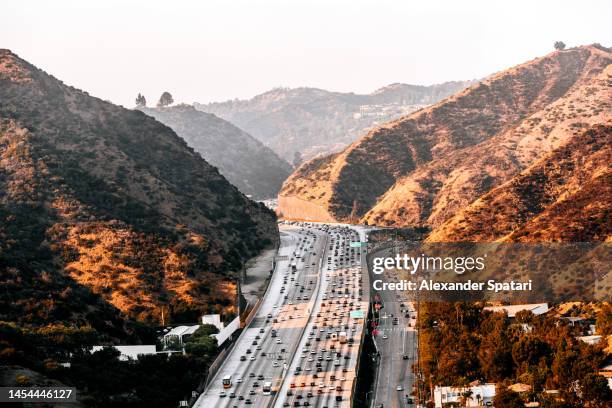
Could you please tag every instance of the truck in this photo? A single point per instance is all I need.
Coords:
(342, 337)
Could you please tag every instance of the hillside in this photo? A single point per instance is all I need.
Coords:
(564, 197)
(244, 161)
(423, 168)
(313, 121)
(107, 216)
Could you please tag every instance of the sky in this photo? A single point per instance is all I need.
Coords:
(214, 50)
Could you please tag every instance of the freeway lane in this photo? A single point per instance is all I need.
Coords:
(285, 309)
(397, 345)
(324, 373)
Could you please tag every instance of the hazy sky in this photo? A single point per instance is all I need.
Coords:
(211, 50)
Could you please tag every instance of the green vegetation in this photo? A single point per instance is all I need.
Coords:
(201, 344)
(102, 379)
(460, 343)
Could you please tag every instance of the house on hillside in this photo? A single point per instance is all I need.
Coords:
(475, 395)
(214, 319)
(179, 334)
(130, 352)
(512, 310)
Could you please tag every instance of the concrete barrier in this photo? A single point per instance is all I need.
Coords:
(295, 208)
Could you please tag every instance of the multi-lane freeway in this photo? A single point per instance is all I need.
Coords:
(396, 343)
(301, 349)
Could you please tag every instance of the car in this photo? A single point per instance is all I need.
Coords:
(278, 341)
(222, 394)
(252, 392)
(248, 401)
(252, 375)
(399, 388)
(252, 358)
(385, 336)
(242, 358)
(240, 398)
(405, 357)
(232, 395)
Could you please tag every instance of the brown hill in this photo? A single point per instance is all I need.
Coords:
(423, 168)
(105, 213)
(564, 197)
(314, 121)
(249, 165)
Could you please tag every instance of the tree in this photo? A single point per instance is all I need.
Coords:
(505, 398)
(595, 390)
(559, 45)
(297, 159)
(141, 102)
(165, 99)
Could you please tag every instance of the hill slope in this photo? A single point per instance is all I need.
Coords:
(423, 168)
(313, 121)
(107, 215)
(564, 197)
(244, 161)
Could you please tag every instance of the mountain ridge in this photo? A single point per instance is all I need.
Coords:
(249, 165)
(312, 121)
(107, 217)
(402, 172)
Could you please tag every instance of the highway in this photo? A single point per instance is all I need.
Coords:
(315, 286)
(323, 374)
(396, 342)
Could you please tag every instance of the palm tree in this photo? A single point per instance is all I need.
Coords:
(465, 397)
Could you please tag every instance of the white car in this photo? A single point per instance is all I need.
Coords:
(252, 358)
(399, 388)
(385, 336)
(278, 341)
(239, 380)
(222, 394)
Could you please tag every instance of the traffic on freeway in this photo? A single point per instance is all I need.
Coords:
(301, 347)
(324, 372)
(396, 342)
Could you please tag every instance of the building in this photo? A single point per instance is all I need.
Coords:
(214, 319)
(130, 352)
(592, 340)
(180, 334)
(512, 310)
(480, 395)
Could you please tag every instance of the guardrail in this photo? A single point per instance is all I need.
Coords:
(366, 284)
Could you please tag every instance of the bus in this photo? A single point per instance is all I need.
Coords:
(227, 381)
(267, 388)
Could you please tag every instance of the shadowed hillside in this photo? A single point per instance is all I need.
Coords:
(423, 168)
(106, 215)
(244, 161)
